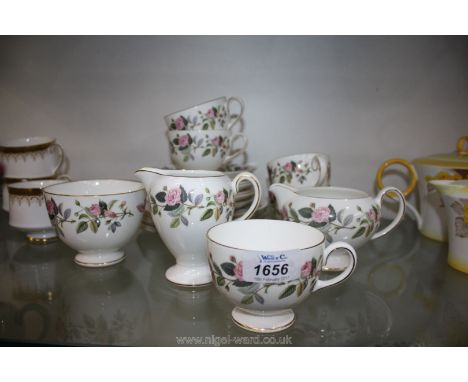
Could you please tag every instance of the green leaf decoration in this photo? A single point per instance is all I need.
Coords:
(217, 214)
(332, 216)
(184, 220)
(198, 199)
(282, 179)
(246, 300)
(93, 226)
(175, 223)
(111, 204)
(226, 194)
(103, 205)
(77, 203)
(339, 216)
(359, 208)
(241, 284)
(161, 197)
(167, 207)
(300, 288)
(67, 213)
(228, 268)
(305, 212)
(155, 209)
(214, 152)
(348, 220)
(81, 227)
(294, 215)
(83, 216)
(216, 268)
(60, 206)
(220, 281)
(359, 232)
(259, 298)
(208, 214)
(206, 152)
(288, 291)
(183, 195)
(315, 224)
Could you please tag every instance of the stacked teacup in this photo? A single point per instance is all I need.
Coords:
(201, 138)
(30, 164)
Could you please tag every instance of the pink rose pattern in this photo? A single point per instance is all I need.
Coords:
(298, 170)
(187, 145)
(230, 275)
(179, 205)
(330, 222)
(214, 117)
(89, 218)
(321, 214)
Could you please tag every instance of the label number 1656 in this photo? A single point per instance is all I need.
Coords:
(274, 270)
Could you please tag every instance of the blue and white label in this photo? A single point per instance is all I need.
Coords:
(271, 267)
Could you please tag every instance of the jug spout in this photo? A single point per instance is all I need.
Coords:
(282, 192)
(147, 175)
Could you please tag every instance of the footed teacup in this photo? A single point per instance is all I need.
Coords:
(266, 266)
(96, 217)
(342, 214)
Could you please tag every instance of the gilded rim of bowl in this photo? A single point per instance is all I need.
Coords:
(95, 195)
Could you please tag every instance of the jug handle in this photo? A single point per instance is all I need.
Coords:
(228, 107)
(401, 209)
(409, 189)
(257, 190)
(351, 252)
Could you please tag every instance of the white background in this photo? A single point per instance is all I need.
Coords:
(360, 99)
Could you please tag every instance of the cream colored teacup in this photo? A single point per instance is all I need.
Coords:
(33, 157)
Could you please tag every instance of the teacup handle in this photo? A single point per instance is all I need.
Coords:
(257, 190)
(400, 213)
(322, 162)
(228, 107)
(350, 251)
(238, 152)
(61, 156)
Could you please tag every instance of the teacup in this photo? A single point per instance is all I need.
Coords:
(342, 214)
(211, 115)
(267, 266)
(28, 212)
(7, 181)
(34, 157)
(204, 150)
(301, 170)
(97, 218)
(184, 205)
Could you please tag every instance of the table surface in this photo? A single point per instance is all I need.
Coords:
(402, 293)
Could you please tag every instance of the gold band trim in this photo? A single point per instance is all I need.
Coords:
(24, 191)
(25, 149)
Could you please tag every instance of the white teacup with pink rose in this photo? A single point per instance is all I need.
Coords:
(204, 150)
(211, 115)
(341, 214)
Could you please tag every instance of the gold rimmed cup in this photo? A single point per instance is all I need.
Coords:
(28, 212)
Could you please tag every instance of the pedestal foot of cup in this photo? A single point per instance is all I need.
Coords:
(99, 260)
(263, 322)
(337, 261)
(42, 237)
(189, 276)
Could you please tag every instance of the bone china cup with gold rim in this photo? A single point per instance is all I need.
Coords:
(342, 214)
(300, 170)
(28, 212)
(97, 218)
(34, 157)
(265, 267)
(431, 219)
(204, 150)
(455, 198)
(211, 115)
(185, 204)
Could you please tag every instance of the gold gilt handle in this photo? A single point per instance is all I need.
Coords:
(413, 176)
